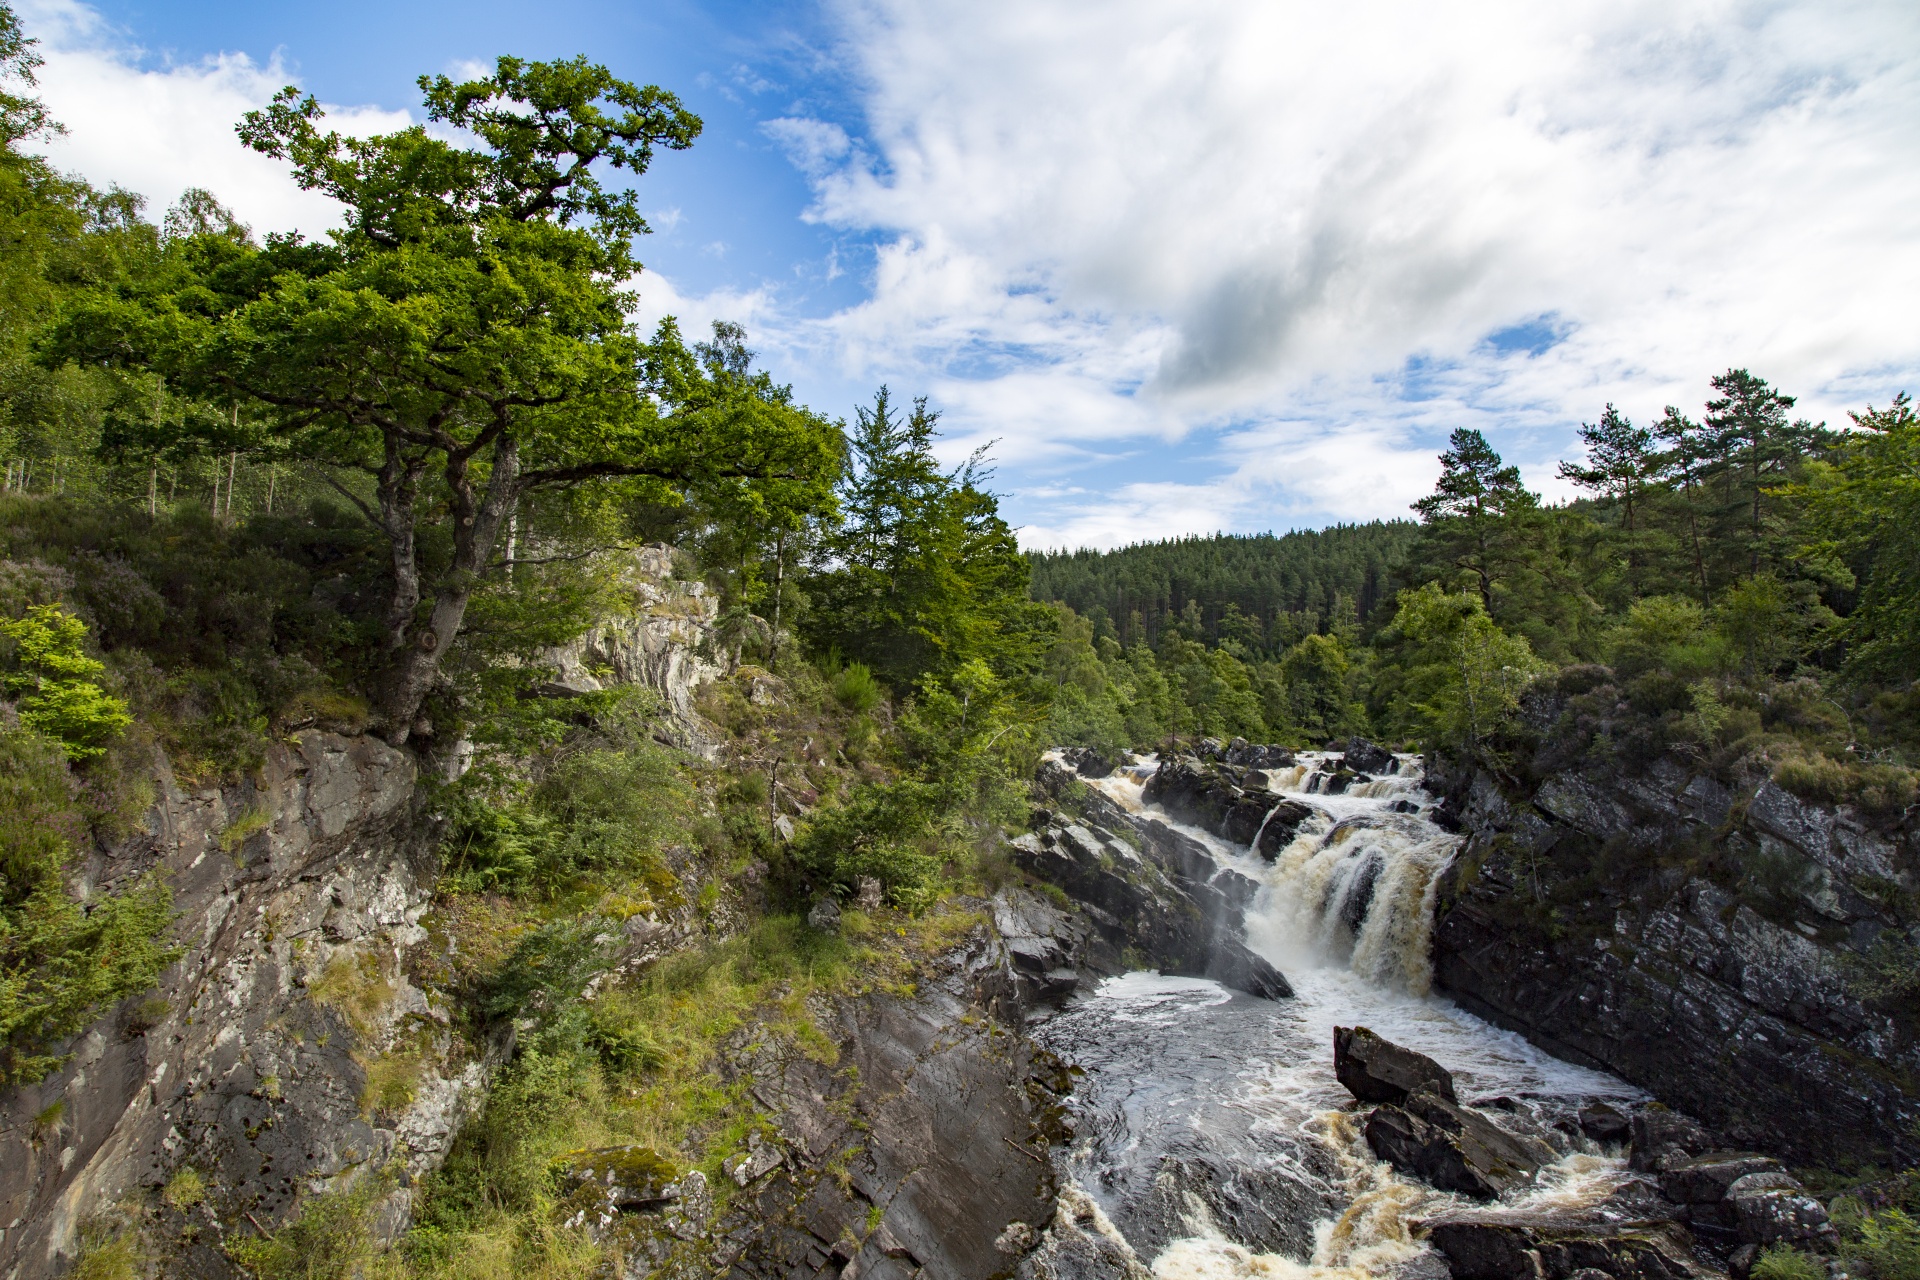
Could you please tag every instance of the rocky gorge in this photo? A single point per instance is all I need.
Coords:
(1235, 1011)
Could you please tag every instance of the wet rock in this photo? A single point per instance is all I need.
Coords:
(825, 915)
(1253, 756)
(1089, 763)
(1374, 1069)
(1661, 1136)
(1403, 806)
(1501, 1245)
(1706, 1179)
(1453, 1148)
(1764, 1212)
(1209, 798)
(1236, 966)
(1367, 757)
(1280, 825)
(1605, 1124)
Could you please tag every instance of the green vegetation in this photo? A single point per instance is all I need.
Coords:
(1879, 1227)
(1784, 1262)
(363, 485)
(1741, 587)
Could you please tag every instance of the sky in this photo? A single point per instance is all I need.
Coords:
(1186, 267)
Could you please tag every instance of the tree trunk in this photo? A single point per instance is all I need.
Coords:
(476, 526)
(779, 576)
(233, 460)
(153, 490)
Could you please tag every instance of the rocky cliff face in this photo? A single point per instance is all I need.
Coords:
(1700, 937)
(291, 1049)
(300, 894)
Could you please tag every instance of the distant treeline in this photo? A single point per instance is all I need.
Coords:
(1263, 591)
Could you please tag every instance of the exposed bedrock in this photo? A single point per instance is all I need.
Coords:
(1702, 940)
(1227, 802)
(923, 1148)
(1147, 887)
(1697, 1202)
(299, 896)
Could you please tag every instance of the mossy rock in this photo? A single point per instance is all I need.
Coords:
(626, 1177)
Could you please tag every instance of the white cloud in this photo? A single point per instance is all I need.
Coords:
(159, 129)
(1295, 225)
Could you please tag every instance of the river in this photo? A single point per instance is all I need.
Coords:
(1209, 1128)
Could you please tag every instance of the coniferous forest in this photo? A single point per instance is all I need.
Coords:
(260, 485)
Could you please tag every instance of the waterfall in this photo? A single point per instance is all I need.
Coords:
(1357, 883)
(1214, 1134)
(1355, 887)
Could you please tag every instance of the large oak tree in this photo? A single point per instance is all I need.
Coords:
(464, 341)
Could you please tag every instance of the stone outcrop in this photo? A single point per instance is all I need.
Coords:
(1496, 1245)
(299, 896)
(663, 640)
(1453, 1147)
(1147, 888)
(1695, 936)
(1227, 802)
(924, 1144)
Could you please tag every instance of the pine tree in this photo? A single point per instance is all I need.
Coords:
(1477, 513)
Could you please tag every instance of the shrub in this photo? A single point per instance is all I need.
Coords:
(330, 1240)
(55, 683)
(1887, 1246)
(856, 689)
(1784, 1262)
(881, 830)
(185, 1189)
(61, 961)
(1814, 778)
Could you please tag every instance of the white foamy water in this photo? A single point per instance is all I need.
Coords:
(1185, 1075)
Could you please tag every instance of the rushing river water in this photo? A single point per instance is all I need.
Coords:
(1210, 1128)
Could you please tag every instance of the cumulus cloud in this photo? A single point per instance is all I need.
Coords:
(158, 129)
(1326, 234)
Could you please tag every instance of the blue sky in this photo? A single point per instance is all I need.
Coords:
(1220, 264)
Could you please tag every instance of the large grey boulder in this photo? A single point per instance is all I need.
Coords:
(1452, 1147)
(1374, 1069)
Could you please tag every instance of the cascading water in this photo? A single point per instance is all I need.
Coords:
(1211, 1130)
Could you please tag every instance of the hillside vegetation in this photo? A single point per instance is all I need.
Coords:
(260, 485)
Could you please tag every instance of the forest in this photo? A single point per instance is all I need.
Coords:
(255, 484)
(1748, 574)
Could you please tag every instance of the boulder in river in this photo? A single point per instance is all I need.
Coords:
(1453, 1148)
(1769, 1208)
(1502, 1245)
(1237, 966)
(1279, 826)
(1705, 1179)
(1367, 757)
(1089, 762)
(1605, 1123)
(1375, 1069)
(1661, 1137)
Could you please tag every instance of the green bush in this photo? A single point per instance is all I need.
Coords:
(884, 830)
(1783, 1262)
(55, 683)
(332, 1238)
(61, 961)
(856, 689)
(599, 814)
(1887, 1247)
